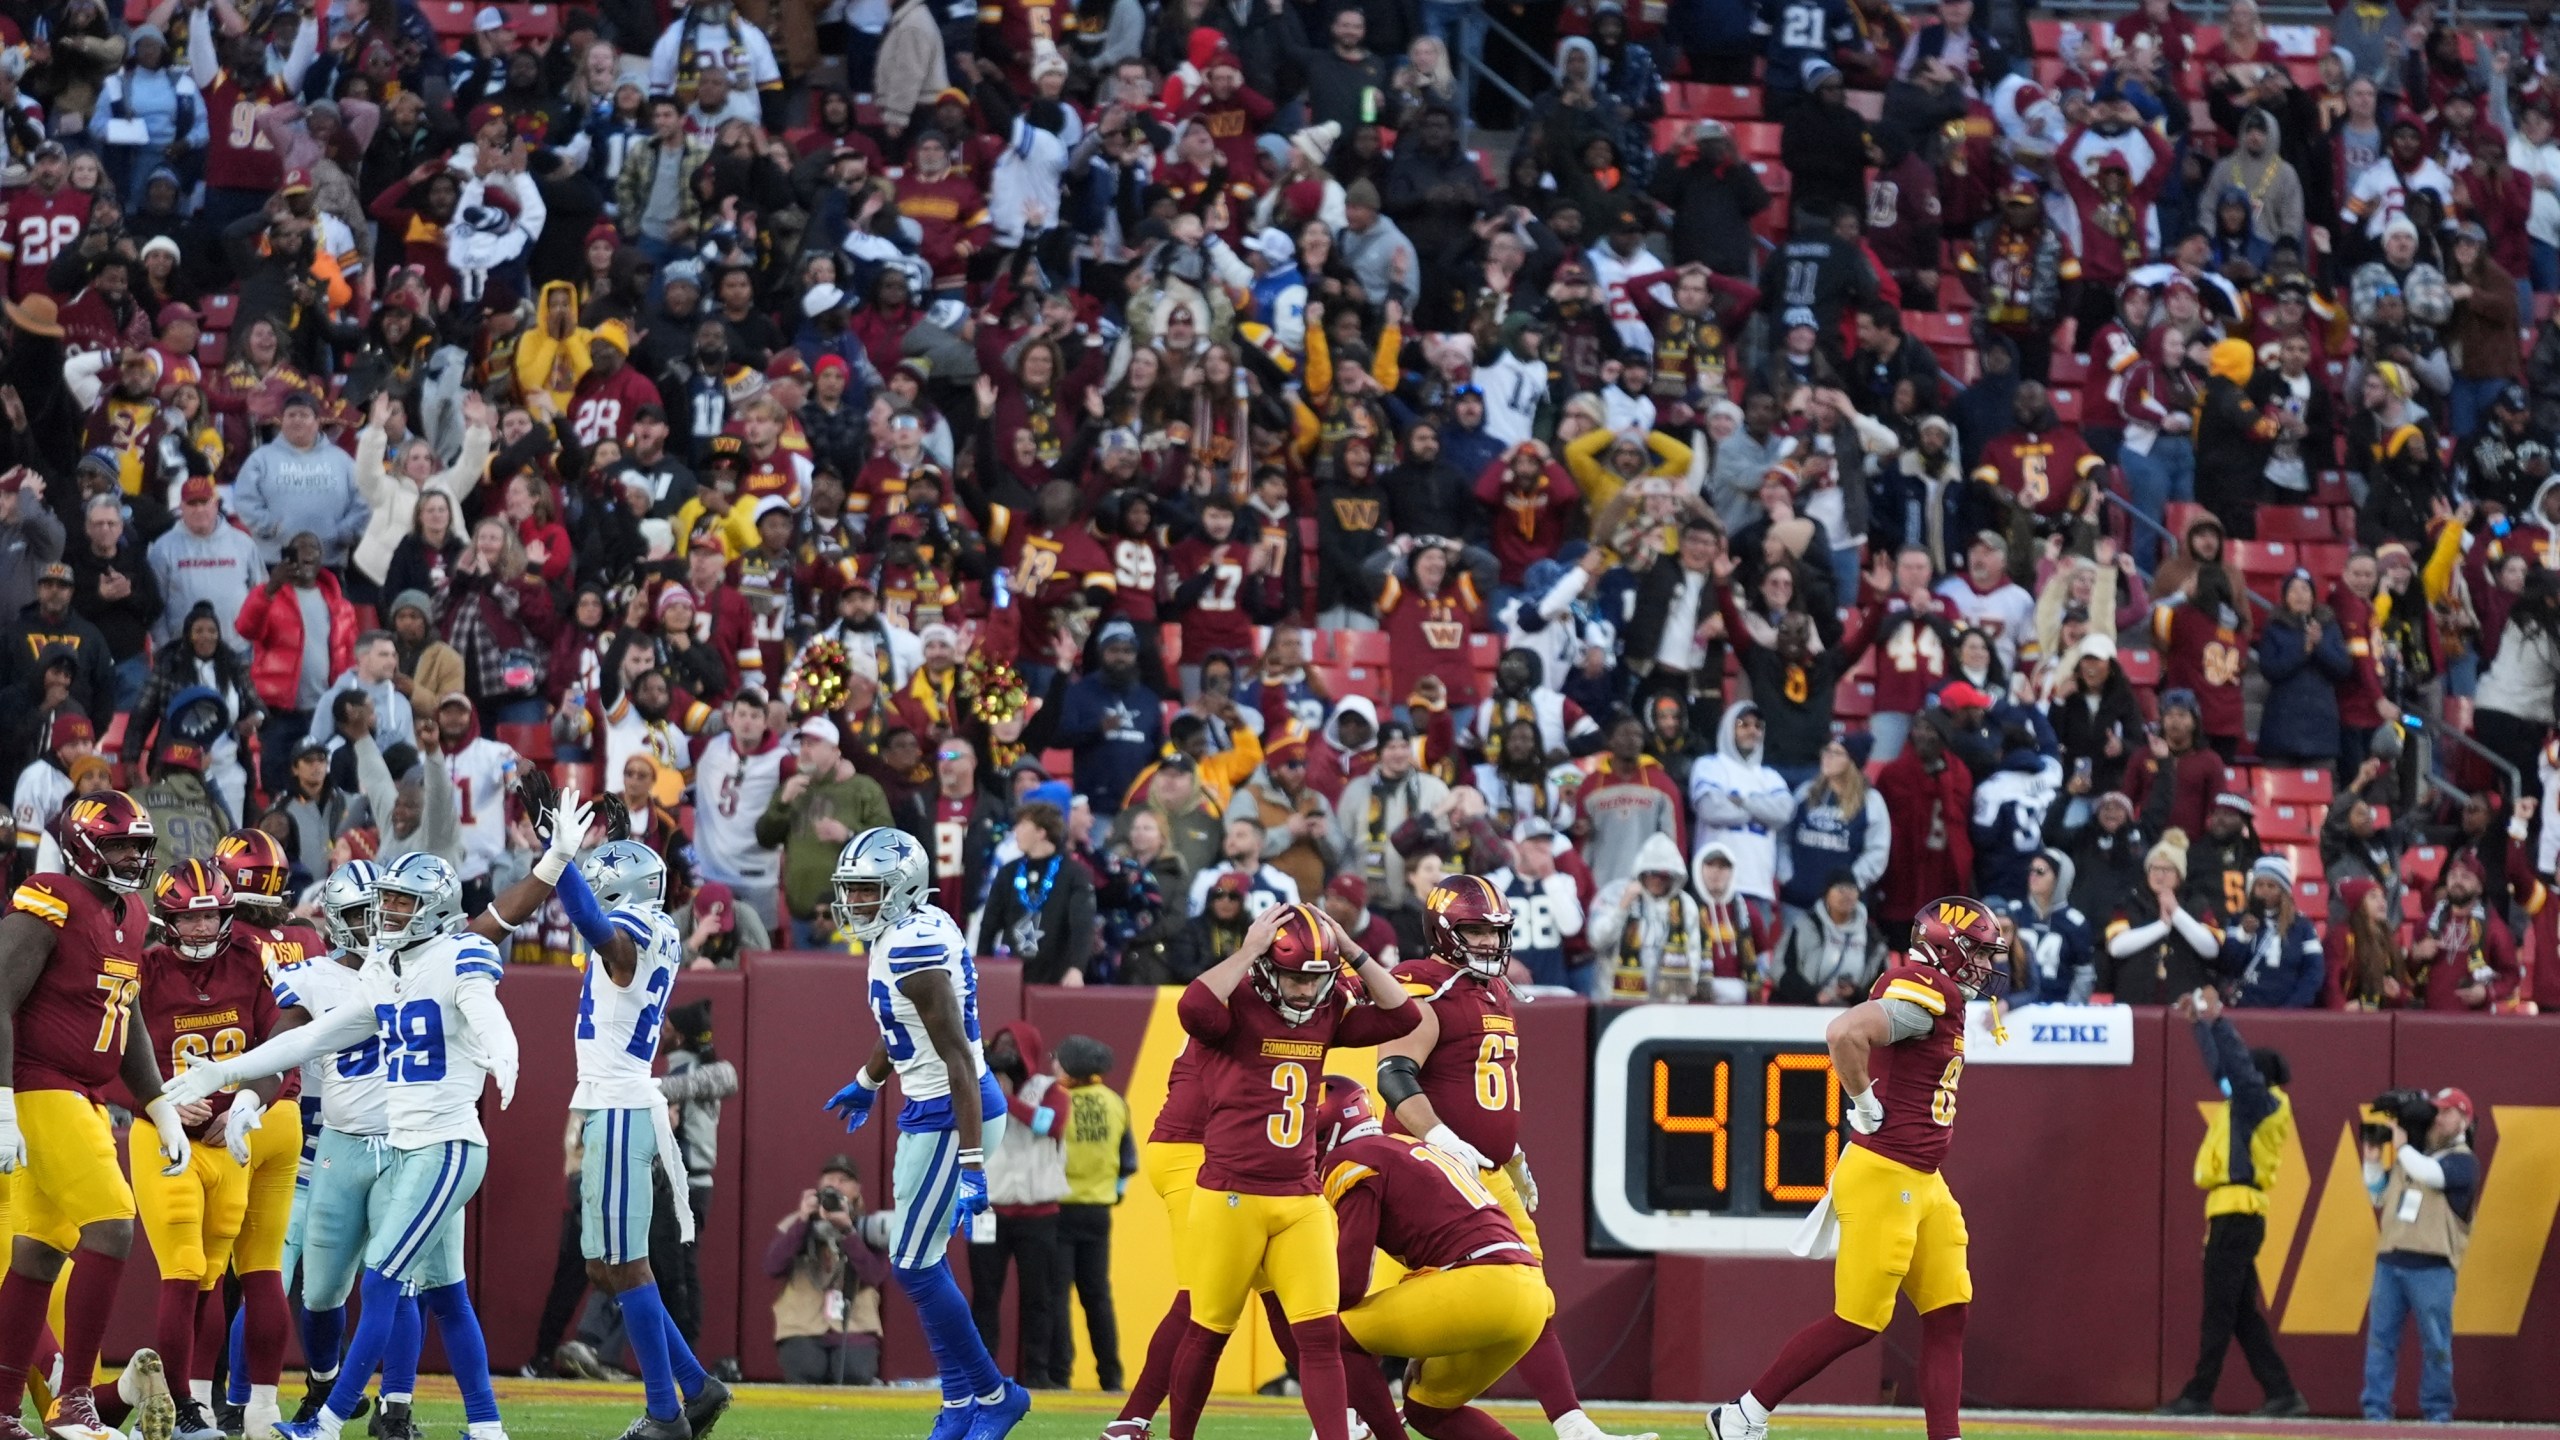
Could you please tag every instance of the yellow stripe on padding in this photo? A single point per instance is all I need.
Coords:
(1918, 994)
(1416, 987)
(1341, 1178)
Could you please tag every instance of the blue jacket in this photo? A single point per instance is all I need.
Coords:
(2275, 969)
(2061, 954)
(2253, 1099)
(2009, 806)
(2301, 717)
(1110, 750)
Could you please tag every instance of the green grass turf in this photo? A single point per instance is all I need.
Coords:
(548, 1410)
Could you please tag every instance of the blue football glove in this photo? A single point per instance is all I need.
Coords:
(853, 1102)
(972, 1200)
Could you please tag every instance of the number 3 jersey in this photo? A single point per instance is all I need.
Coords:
(1256, 1139)
(927, 941)
(354, 1099)
(1469, 1076)
(435, 1057)
(618, 1024)
(71, 1028)
(198, 1011)
(1916, 1076)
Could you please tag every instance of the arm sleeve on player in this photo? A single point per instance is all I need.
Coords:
(1203, 1017)
(1905, 1020)
(336, 1030)
(477, 998)
(584, 912)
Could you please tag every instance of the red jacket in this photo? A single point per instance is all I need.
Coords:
(271, 622)
(1920, 874)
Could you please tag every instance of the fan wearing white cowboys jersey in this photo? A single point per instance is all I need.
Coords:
(433, 982)
(924, 993)
(616, 898)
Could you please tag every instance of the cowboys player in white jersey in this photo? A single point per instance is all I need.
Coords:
(924, 993)
(434, 980)
(616, 899)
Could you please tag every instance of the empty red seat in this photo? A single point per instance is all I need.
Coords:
(2291, 785)
(532, 741)
(1931, 327)
(1061, 764)
(2421, 864)
(449, 19)
(2289, 823)
(2142, 667)
(2305, 860)
(1361, 647)
(211, 348)
(2067, 369)
(2177, 515)
(220, 310)
(1855, 699)
(1723, 102)
(2295, 522)
(1756, 139)
(2066, 406)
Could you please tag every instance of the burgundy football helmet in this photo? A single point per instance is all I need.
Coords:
(255, 864)
(1298, 948)
(1343, 1109)
(1468, 900)
(107, 838)
(194, 888)
(1958, 936)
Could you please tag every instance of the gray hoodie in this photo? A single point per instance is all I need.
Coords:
(1822, 954)
(219, 569)
(1740, 802)
(27, 545)
(283, 492)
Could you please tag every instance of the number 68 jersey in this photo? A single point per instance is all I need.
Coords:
(618, 1025)
(211, 1010)
(1918, 1074)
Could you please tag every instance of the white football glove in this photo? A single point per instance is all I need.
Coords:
(197, 1082)
(246, 1114)
(1446, 1141)
(505, 1075)
(569, 822)
(175, 1147)
(1866, 1113)
(13, 1145)
(1517, 1167)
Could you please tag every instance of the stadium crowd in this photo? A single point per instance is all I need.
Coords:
(1170, 462)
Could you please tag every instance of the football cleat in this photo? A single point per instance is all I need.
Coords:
(577, 1360)
(75, 1417)
(226, 1417)
(193, 1423)
(706, 1407)
(1359, 1428)
(994, 1422)
(1579, 1426)
(144, 1388)
(12, 1428)
(1727, 1422)
(650, 1427)
(1127, 1430)
(952, 1421)
(2290, 1405)
(394, 1422)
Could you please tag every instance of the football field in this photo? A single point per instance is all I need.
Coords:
(561, 1410)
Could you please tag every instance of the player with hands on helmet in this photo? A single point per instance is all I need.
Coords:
(1455, 1082)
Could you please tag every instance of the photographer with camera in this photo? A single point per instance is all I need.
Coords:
(2236, 1170)
(826, 1321)
(2425, 1188)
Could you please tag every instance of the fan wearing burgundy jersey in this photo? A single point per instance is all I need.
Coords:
(1258, 1214)
(1455, 1082)
(1900, 1230)
(40, 220)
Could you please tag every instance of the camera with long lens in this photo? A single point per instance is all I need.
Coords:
(2415, 1110)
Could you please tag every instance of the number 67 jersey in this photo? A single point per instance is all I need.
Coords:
(1920, 1071)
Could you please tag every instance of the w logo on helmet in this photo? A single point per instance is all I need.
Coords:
(86, 811)
(1957, 917)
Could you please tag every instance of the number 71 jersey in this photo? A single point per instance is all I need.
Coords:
(72, 1026)
(1917, 1086)
(618, 1025)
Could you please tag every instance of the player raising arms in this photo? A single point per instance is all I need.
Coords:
(260, 874)
(350, 1152)
(1473, 1299)
(70, 971)
(205, 996)
(1455, 1082)
(434, 980)
(1268, 1013)
(1900, 1229)
(924, 993)
(634, 954)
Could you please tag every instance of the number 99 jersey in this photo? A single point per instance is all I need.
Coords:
(618, 1025)
(1918, 1075)
(923, 942)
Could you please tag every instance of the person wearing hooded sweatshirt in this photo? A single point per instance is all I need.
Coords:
(1928, 799)
(2272, 957)
(1840, 824)
(2105, 850)
(1738, 800)
(2303, 655)
(1627, 799)
(300, 482)
(2052, 946)
(1026, 1178)
(1373, 807)
(2265, 180)
(1737, 933)
(2392, 440)
(1645, 931)
(2156, 950)
(1345, 749)
(1830, 953)
(2233, 437)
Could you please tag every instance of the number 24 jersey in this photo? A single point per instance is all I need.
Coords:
(1257, 1140)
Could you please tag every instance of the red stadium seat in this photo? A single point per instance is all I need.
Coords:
(1931, 327)
(2289, 823)
(1756, 140)
(2326, 559)
(2311, 897)
(1484, 649)
(578, 775)
(2046, 37)
(533, 741)
(2305, 860)
(2295, 522)
(1854, 700)
(2141, 666)
(2067, 369)
(2177, 515)
(2066, 406)
(220, 310)
(1362, 647)
(1723, 102)
(2288, 785)
(2265, 557)
(534, 23)
(211, 348)
(1953, 296)
(2329, 488)
(1366, 680)
(449, 19)
(2421, 864)
(1061, 764)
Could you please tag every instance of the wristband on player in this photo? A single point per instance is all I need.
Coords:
(862, 1077)
(551, 867)
(973, 1155)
